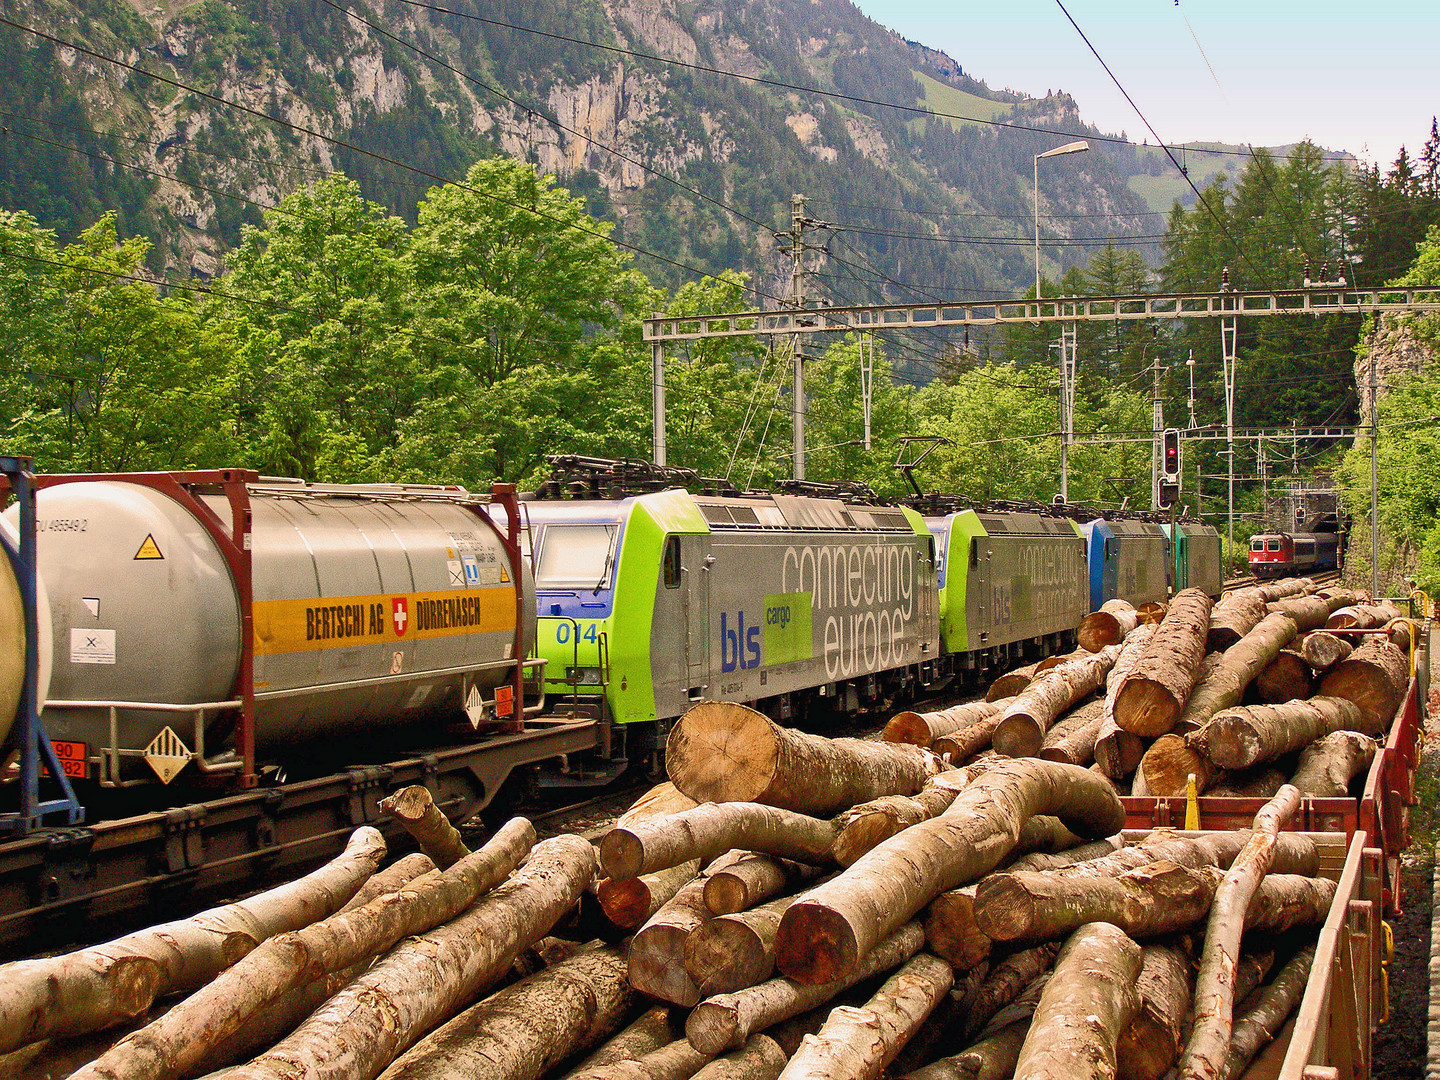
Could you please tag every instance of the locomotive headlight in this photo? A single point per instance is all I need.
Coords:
(583, 676)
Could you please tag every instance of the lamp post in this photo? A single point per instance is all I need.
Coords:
(1079, 146)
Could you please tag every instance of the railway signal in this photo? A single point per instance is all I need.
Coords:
(1170, 456)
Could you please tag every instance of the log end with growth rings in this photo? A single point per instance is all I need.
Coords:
(729, 750)
(821, 944)
(907, 727)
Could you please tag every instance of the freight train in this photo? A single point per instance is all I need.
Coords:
(205, 624)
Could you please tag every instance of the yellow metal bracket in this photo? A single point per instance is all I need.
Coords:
(1192, 804)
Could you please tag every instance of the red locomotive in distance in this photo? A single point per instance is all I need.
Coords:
(1280, 554)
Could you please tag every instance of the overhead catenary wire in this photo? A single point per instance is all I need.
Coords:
(778, 83)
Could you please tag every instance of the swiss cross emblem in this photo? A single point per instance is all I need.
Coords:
(400, 614)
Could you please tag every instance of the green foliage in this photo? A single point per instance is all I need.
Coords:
(102, 374)
(1408, 453)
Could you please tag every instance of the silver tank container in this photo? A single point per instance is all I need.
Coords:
(372, 605)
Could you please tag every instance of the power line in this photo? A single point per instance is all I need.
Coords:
(780, 84)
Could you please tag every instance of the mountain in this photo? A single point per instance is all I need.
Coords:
(690, 123)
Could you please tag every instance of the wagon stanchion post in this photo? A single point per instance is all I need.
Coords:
(33, 744)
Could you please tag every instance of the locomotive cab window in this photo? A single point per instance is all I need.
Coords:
(1272, 545)
(1257, 545)
(671, 562)
(576, 557)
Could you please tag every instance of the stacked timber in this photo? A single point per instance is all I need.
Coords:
(985, 920)
(811, 907)
(1143, 701)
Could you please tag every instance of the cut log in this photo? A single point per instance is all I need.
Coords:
(1308, 612)
(725, 1021)
(862, 827)
(1116, 750)
(1149, 901)
(1149, 700)
(528, 1028)
(723, 752)
(1399, 631)
(828, 930)
(922, 729)
(710, 830)
(761, 1058)
(107, 984)
(660, 800)
(959, 747)
(629, 902)
(1204, 1056)
(1234, 616)
(1225, 684)
(1249, 735)
(1285, 901)
(1150, 1045)
(378, 1016)
(1095, 849)
(1374, 677)
(1011, 683)
(674, 1061)
(857, 1043)
(1039, 705)
(1005, 984)
(656, 1027)
(416, 811)
(1261, 782)
(1295, 853)
(657, 952)
(1072, 740)
(1323, 650)
(1265, 1017)
(1363, 616)
(1088, 1003)
(1042, 666)
(1108, 626)
(1167, 764)
(1285, 678)
(950, 929)
(1327, 765)
(392, 879)
(176, 1043)
(992, 1058)
(1152, 612)
(731, 952)
(752, 879)
(1271, 591)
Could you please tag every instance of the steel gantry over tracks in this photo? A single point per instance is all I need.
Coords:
(660, 329)
(1314, 299)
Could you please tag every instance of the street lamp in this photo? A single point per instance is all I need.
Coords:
(1079, 146)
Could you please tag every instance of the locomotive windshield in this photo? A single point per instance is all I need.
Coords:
(575, 556)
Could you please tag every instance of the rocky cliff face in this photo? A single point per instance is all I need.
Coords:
(657, 146)
(1397, 351)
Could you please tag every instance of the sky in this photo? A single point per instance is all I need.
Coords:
(1348, 76)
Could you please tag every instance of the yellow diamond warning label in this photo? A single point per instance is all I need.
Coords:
(149, 549)
(286, 626)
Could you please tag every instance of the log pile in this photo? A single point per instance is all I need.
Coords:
(1148, 704)
(943, 949)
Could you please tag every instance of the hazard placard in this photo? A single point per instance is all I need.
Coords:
(149, 549)
(167, 754)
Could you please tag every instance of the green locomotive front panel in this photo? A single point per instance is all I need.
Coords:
(1008, 577)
